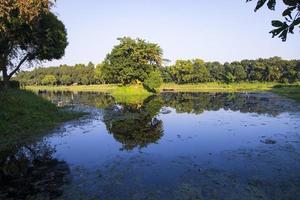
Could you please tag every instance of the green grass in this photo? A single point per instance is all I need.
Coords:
(200, 87)
(134, 94)
(290, 91)
(25, 116)
(218, 87)
(131, 94)
(78, 88)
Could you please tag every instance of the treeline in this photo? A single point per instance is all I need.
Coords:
(63, 75)
(273, 69)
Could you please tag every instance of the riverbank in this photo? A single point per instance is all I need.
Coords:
(287, 90)
(201, 87)
(25, 116)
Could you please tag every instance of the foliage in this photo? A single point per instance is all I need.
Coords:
(133, 94)
(79, 74)
(188, 71)
(49, 80)
(65, 80)
(131, 60)
(263, 70)
(29, 32)
(98, 74)
(194, 71)
(154, 81)
(291, 15)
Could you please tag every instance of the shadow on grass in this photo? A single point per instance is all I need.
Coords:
(290, 91)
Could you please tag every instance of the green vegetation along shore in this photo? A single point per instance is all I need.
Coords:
(200, 87)
(25, 116)
(288, 90)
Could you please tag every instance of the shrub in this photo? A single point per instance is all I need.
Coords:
(153, 82)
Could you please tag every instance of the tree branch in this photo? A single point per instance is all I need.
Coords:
(18, 66)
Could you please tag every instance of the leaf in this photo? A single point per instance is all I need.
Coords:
(288, 12)
(291, 2)
(283, 35)
(271, 4)
(260, 3)
(277, 23)
(296, 22)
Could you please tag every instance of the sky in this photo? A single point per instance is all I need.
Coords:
(185, 29)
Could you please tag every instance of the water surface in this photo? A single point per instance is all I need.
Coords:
(171, 146)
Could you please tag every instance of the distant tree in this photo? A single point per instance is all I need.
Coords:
(291, 15)
(182, 71)
(65, 80)
(90, 64)
(49, 80)
(238, 72)
(165, 74)
(216, 70)
(272, 69)
(28, 32)
(132, 59)
(200, 72)
(153, 81)
(98, 74)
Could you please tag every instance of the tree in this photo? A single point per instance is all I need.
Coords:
(201, 73)
(98, 74)
(238, 71)
(49, 80)
(182, 71)
(291, 15)
(131, 60)
(29, 33)
(154, 81)
(65, 80)
(216, 70)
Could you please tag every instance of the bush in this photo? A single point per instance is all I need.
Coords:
(153, 82)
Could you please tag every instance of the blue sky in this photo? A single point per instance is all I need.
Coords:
(211, 30)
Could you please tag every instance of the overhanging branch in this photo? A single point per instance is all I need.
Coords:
(18, 66)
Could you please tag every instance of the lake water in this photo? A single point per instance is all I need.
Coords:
(170, 146)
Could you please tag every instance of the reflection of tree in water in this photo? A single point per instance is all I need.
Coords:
(31, 172)
(243, 102)
(260, 103)
(135, 126)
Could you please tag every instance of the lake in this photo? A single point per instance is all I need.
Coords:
(169, 146)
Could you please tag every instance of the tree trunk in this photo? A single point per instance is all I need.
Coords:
(5, 78)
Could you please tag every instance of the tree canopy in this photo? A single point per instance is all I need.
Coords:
(291, 16)
(29, 32)
(131, 60)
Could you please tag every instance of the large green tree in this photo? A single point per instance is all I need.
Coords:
(131, 60)
(29, 33)
(291, 16)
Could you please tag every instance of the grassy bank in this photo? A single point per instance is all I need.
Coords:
(290, 91)
(201, 87)
(25, 116)
(77, 88)
(128, 93)
(218, 87)
(134, 94)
